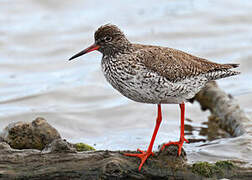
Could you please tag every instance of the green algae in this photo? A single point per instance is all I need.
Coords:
(209, 170)
(224, 164)
(205, 169)
(83, 147)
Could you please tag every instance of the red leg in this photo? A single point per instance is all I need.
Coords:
(145, 154)
(182, 137)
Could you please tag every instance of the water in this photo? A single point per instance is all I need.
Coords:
(37, 37)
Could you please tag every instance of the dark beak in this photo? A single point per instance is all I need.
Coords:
(87, 50)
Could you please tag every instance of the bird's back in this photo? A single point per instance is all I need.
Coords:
(177, 65)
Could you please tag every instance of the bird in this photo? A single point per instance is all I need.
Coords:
(154, 75)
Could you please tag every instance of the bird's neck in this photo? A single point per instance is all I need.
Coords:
(117, 50)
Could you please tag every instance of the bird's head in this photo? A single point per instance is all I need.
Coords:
(109, 40)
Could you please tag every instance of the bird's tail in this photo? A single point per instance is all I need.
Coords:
(232, 65)
(223, 72)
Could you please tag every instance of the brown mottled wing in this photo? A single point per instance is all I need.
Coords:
(175, 64)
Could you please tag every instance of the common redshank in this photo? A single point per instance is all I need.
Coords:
(153, 74)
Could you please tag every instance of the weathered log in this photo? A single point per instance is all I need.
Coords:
(225, 108)
(60, 160)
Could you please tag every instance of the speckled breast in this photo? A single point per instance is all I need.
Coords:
(136, 82)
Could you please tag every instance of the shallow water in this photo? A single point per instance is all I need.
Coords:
(37, 38)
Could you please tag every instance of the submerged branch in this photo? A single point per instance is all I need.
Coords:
(224, 107)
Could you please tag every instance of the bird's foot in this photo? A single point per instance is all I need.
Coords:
(178, 143)
(143, 156)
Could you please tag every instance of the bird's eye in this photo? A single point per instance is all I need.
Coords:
(108, 38)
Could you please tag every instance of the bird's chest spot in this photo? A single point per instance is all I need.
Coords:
(135, 83)
(118, 74)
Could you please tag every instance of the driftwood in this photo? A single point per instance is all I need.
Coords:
(60, 159)
(225, 108)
